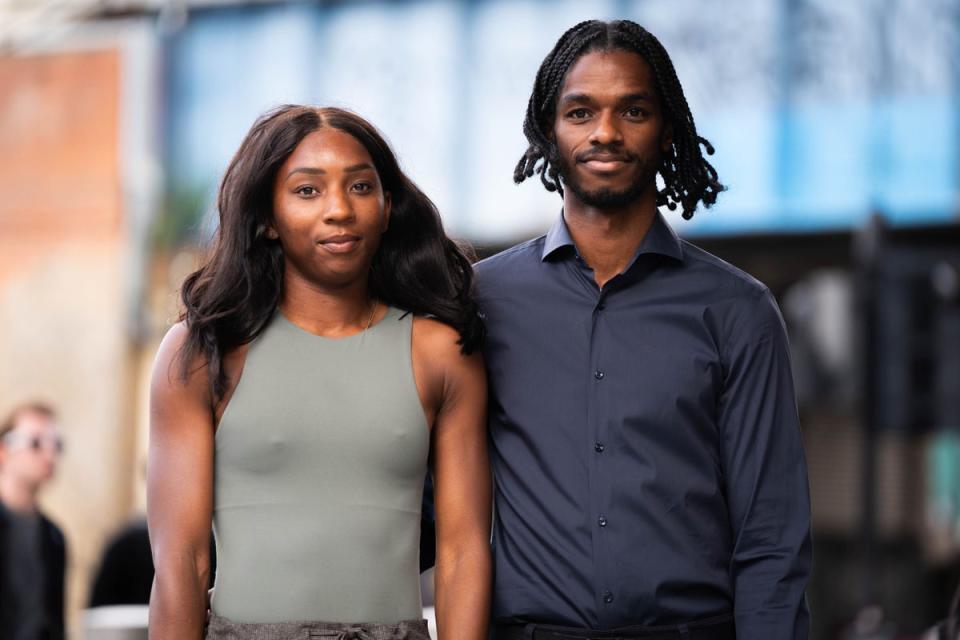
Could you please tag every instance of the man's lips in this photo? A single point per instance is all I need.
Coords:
(343, 243)
(604, 163)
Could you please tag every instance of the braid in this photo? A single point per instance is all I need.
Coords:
(540, 156)
(688, 177)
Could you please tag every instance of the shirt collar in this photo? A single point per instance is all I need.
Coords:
(660, 239)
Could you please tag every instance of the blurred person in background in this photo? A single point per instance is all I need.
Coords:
(125, 573)
(32, 548)
(649, 470)
(321, 363)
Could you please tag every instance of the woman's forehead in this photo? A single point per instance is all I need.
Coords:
(328, 147)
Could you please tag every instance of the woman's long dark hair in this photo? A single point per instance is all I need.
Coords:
(230, 300)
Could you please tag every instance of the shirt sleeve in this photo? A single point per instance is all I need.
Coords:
(765, 476)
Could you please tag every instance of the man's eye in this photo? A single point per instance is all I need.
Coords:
(635, 112)
(306, 190)
(578, 114)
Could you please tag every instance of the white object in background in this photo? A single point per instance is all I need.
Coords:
(120, 622)
(431, 617)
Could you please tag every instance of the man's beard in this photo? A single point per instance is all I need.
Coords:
(608, 198)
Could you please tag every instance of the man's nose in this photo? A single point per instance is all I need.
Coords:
(607, 130)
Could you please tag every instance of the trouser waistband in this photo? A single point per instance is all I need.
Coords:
(716, 628)
(221, 628)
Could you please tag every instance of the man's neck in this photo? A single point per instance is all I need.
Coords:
(608, 239)
(17, 496)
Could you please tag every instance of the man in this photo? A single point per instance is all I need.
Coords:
(649, 470)
(32, 549)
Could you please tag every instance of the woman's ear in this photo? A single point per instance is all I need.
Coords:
(387, 205)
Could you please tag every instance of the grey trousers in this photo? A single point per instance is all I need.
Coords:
(221, 628)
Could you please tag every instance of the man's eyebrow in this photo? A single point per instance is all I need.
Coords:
(576, 97)
(638, 96)
(315, 171)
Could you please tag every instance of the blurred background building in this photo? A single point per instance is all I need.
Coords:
(837, 129)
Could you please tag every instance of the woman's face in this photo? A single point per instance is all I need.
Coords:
(329, 209)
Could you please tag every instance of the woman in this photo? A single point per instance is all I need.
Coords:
(323, 356)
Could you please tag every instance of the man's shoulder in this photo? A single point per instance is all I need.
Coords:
(52, 532)
(726, 280)
(526, 253)
(737, 301)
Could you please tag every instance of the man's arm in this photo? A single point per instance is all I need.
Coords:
(765, 477)
(56, 558)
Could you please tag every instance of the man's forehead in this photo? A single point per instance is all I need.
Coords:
(608, 72)
(34, 420)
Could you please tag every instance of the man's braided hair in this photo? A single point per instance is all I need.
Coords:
(688, 177)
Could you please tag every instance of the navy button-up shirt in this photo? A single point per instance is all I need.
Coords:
(646, 450)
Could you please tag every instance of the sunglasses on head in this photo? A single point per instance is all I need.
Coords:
(34, 443)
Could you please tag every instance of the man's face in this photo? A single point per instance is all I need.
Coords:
(609, 129)
(30, 451)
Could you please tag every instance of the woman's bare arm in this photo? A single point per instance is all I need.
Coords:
(179, 493)
(461, 469)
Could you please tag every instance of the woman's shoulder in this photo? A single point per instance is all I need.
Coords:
(436, 337)
(175, 369)
(172, 348)
(182, 374)
(439, 345)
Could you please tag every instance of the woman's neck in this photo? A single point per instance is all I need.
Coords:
(325, 311)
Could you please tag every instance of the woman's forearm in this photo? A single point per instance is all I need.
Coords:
(462, 582)
(178, 602)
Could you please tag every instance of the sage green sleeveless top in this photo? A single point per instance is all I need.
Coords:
(319, 469)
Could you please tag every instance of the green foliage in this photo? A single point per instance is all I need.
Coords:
(181, 219)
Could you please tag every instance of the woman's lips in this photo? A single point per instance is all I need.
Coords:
(340, 244)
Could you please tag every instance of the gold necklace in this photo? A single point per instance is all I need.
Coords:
(373, 308)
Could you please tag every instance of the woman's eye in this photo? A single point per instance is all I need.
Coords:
(362, 187)
(306, 190)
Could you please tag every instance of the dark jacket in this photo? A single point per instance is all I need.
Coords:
(53, 549)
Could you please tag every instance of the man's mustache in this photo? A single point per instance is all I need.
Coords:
(605, 154)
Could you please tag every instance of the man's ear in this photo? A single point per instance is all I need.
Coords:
(666, 137)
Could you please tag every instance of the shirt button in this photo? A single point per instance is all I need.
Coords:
(599, 447)
(601, 306)
(607, 597)
(602, 521)
(598, 374)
